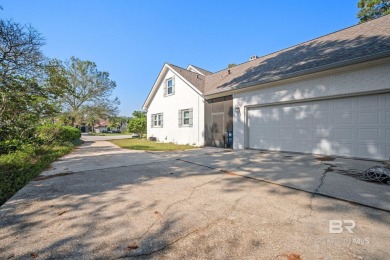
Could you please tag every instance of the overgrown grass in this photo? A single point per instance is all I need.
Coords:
(18, 168)
(143, 144)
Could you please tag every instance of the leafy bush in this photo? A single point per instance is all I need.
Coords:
(137, 125)
(19, 167)
(8, 146)
(51, 134)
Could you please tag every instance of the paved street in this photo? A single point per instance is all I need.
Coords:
(105, 202)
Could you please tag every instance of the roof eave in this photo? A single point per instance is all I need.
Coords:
(370, 60)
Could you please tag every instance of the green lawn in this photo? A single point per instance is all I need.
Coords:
(18, 168)
(143, 144)
(108, 134)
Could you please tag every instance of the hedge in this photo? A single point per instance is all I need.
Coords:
(57, 134)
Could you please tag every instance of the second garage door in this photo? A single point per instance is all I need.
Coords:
(354, 127)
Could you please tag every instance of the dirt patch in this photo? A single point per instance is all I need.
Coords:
(325, 158)
(40, 178)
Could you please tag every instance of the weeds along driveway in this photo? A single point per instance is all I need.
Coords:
(173, 205)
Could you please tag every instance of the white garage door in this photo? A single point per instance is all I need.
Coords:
(353, 127)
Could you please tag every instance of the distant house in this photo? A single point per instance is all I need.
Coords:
(104, 126)
(330, 95)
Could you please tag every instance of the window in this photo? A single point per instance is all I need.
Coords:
(169, 88)
(185, 117)
(157, 120)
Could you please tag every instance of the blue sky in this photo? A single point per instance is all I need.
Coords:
(133, 39)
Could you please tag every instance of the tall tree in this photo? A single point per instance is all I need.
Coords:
(371, 9)
(139, 114)
(23, 97)
(87, 90)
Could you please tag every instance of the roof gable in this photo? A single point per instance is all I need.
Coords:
(358, 43)
(196, 79)
(193, 80)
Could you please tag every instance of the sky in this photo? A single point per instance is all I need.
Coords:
(132, 39)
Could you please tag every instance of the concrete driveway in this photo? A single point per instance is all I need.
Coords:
(105, 202)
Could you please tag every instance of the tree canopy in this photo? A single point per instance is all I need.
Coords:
(24, 99)
(371, 9)
(87, 94)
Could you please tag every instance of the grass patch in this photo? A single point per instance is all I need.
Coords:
(143, 144)
(108, 134)
(18, 168)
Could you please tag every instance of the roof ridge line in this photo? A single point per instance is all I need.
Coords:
(295, 45)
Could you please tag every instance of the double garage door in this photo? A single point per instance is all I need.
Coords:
(354, 127)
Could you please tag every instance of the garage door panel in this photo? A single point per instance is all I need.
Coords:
(289, 132)
(369, 149)
(343, 148)
(388, 134)
(322, 132)
(271, 132)
(388, 117)
(321, 118)
(342, 133)
(368, 117)
(353, 126)
(346, 104)
(343, 118)
(301, 132)
(303, 146)
(368, 134)
(368, 102)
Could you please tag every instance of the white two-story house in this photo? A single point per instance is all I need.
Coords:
(175, 106)
(329, 95)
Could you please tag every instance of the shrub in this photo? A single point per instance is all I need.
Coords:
(8, 146)
(51, 134)
(19, 167)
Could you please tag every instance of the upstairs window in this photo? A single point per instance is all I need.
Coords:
(157, 120)
(169, 88)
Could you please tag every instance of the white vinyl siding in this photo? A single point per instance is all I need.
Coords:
(184, 97)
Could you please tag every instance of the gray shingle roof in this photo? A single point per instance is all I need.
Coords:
(337, 49)
(197, 80)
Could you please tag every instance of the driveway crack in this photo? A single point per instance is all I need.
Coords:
(180, 201)
(226, 215)
(329, 169)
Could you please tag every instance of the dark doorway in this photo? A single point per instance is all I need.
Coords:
(218, 120)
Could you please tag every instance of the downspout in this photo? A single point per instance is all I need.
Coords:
(198, 120)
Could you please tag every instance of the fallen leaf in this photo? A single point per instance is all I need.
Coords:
(291, 256)
(34, 255)
(62, 212)
(132, 246)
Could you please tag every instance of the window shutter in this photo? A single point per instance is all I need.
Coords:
(179, 117)
(151, 120)
(165, 87)
(190, 121)
(162, 119)
(173, 85)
